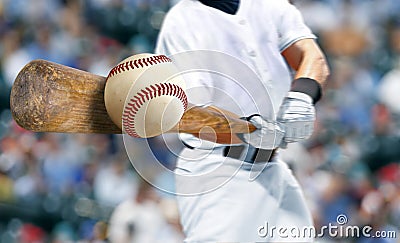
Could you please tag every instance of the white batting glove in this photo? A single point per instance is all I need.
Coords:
(297, 116)
(268, 135)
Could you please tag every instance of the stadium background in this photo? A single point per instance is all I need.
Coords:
(63, 188)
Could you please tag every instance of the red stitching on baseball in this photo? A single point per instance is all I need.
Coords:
(154, 90)
(135, 63)
(138, 63)
(151, 60)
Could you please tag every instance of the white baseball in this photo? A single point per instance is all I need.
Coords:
(144, 95)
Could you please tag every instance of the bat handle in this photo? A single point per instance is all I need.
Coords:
(213, 124)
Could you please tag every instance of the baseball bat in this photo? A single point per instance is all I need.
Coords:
(50, 97)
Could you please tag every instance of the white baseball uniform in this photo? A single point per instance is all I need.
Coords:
(238, 209)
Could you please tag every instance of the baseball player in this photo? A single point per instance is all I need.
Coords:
(268, 36)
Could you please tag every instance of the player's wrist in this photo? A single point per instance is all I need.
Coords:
(309, 87)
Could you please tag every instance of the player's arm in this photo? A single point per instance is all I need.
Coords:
(307, 59)
(297, 113)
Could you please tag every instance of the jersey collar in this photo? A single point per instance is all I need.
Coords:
(227, 6)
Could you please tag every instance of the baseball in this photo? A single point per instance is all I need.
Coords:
(144, 95)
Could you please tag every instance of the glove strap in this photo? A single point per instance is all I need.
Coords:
(299, 96)
(248, 118)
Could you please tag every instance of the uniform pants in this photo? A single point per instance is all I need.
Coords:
(218, 202)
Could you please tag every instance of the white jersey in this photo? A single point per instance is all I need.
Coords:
(256, 35)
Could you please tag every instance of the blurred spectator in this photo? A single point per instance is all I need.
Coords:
(354, 91)
(114, 183)
(319, 15)
(12, 158)
(63, 232)
(30, 233)
(6, 187)
(13, 56)
(141, 220)
(389, 87)
(30, 186)
(59, 167)
(382, 147)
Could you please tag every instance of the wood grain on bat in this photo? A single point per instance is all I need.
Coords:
(49, 97)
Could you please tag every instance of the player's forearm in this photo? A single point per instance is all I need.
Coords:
(307, 59)
(313, 66)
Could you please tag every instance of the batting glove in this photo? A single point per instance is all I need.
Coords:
(297, 116)
(268, 135)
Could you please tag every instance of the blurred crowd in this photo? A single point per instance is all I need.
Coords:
(75, 187)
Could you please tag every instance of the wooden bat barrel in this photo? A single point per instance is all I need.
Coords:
(49, 97)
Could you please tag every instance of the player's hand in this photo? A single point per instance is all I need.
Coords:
(297, 117)
(268, 135)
